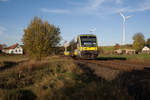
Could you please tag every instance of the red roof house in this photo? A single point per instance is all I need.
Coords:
(14, 49)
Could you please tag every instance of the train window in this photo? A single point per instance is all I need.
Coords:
(88, 41)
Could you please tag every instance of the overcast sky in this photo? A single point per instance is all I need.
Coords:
(76, 17)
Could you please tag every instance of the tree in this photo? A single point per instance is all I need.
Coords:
(40, 38)
(148, 42)
(1, 48)
(116, 46)
(72, 45)
(138, 42)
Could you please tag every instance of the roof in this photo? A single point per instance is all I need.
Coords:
(146, 48)
(13, 46)
(86, 35)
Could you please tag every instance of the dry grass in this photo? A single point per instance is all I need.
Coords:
(13, 58)
(55, 78)
(2, 64)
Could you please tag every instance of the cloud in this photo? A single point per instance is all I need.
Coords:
(2, 30)
(58, 11)
(71, 2)
(104, 9)
(101, 7)
(118, 1)
(3, 0)
(94, 4)
(84, 7)
(142, 7)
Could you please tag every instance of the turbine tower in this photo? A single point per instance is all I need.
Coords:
(124, 26)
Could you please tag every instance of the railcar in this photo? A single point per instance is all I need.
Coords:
(85, 47)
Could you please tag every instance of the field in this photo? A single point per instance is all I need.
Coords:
(136, 57)
(109, 49)
(63, 78)
(12, 58)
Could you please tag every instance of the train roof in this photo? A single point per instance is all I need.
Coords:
(86, 35)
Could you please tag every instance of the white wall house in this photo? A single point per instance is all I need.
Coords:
(14, 49)
(146, 49)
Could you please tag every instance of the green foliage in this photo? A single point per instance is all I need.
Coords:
(40, 38)
(139, 42)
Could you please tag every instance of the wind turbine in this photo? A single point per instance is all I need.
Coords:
(124, 26)
(92, 30)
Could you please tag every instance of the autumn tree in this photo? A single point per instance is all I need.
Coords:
(138, 42)
(72, 46)
(148, 42)
(40, 38)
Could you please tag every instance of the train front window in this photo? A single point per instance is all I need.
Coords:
(88, 41)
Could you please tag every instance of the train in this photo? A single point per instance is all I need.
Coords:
(84, 46)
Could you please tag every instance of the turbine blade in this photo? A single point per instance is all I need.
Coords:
(121, 14)
(92, 29)
(127, 17)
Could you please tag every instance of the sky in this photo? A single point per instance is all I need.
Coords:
(75, 17)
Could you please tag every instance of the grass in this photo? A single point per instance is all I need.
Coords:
(110, 49)
(107, 49)
(7, 61)
(139, 57)
(12, 58)
(40, 77)
(55, 78)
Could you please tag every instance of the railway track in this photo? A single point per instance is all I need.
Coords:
(109, 69)
(117, 65)
(113, 64)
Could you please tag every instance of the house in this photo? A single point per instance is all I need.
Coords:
(14, 49)
(125, 51)
(146, 49)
